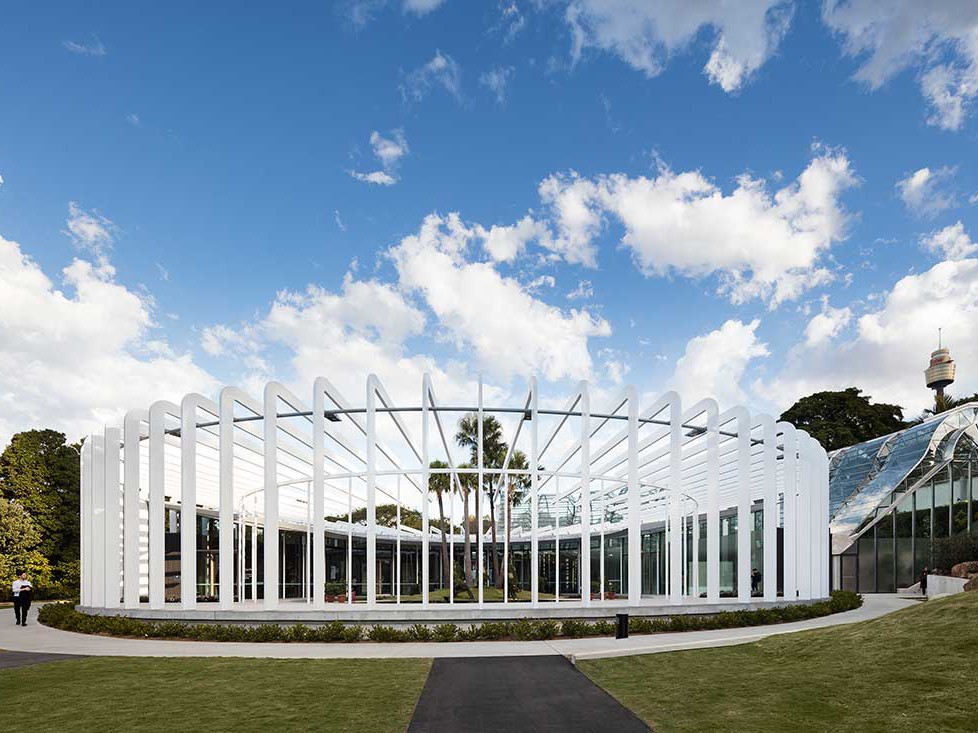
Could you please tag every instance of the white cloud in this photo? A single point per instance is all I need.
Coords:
(583, 290)
(1, 180)
(922, 191)
(826, 325)
(952, 242)
(442, 70)
(511, 20)
(505, 243)
(523, 336)
(339, 222)
(62, 367)
(90, 231)
(164, 273)
(889, 341)
(496, 80)
(133, 119)
(742, 35)
(389, 150)
(422, 7)
(92, 48)
(379, 178)
(938, 38)
(759, 244)
(714, 364)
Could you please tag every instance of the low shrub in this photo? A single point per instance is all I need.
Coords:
(445, 632)
(64, 616)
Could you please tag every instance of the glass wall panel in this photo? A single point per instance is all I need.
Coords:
(942, 505)
(570, 568)
(867, 563)
(959, 498)
(653, 563)
(728, 556)
(757, 552)
(923, 498)
(885, 570)
(904, 543)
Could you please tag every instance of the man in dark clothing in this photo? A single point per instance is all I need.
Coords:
(923, 582)
(21, 590)
(755, 580)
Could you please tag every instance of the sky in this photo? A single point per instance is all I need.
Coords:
(749, 201)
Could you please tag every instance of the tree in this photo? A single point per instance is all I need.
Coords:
(386, 516)
(494, 451)
(441, 485)
(840, 419)
(466, 484)
(40, 471)
(946, 402)
(19, 541)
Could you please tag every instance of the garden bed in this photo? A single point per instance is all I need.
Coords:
(64, 616)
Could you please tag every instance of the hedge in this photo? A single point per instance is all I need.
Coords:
(946, 552)
(64, 616)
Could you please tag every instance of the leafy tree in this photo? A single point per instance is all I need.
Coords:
(19, 541)
(841, 419)
(40, 471)
(386, 516)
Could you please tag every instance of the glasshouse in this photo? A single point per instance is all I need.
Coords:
(891, 497)
(325, 507)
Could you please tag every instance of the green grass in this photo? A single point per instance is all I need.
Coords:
(215, 694)
(911, 670)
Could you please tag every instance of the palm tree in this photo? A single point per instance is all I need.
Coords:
(493, 455)
(441, 483)
(466, 483)
(945, 402)
(516, 490)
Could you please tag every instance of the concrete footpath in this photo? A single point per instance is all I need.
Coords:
(37, 638)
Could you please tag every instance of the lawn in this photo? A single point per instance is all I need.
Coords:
(215, 694)
(908, 671)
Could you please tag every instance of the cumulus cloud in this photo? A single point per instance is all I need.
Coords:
(422, 7)
(952, 242)
(524, 336)
(496, 81)
(442, 71)
(760, 244)
(379, 178)
(924, 193)
(826, 325)
(889, 340)
(714, 364)
(742, 36)
(937, 38)
(506, 243)
(62, 367)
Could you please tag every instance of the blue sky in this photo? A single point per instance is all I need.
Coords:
(711, 200)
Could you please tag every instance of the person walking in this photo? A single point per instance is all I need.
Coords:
(22, 598)
(923, 581)
(755, 581)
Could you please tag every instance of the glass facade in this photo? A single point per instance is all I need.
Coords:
(920, 485)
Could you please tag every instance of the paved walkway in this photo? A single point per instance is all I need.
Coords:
(516, 694)
(37, 638)
(10, 660)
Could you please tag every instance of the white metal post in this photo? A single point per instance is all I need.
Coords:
(270, 434)
(425, 483)
(113, 520)
(371, 491)
(478, 497)
(98, 526)
(743, 503)
(319, 495)
(87, 524)
(789, 471)
(712, 502)
(770, 466)
(585, 553)
(635, 501)
(158, 413)
(132, 432)
(534, 499)
(676, 539)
